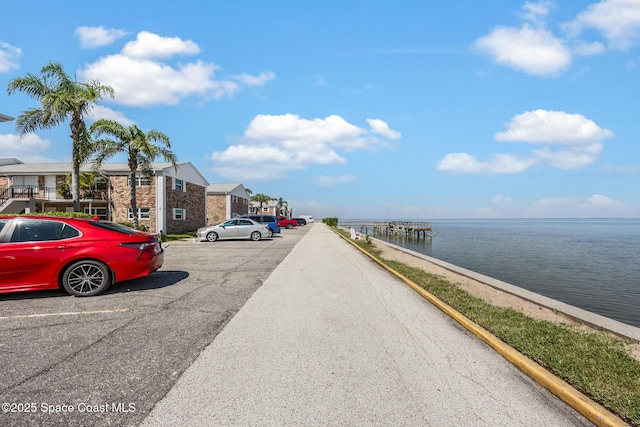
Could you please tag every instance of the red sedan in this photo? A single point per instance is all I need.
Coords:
(83, 256)
(284, 222)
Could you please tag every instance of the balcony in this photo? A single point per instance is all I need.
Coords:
(30, 192)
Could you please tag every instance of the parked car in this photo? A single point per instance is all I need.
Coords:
(284, 222)
(237, 228)
(83, 256)
(301, 221)
(309, 218)
(270, 220)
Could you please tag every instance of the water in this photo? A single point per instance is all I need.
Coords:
(593, 264)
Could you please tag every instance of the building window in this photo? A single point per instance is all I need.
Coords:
(100, 183)
(179, 214)
(178, 184)
(99, 212)
(143, 213)
(141, 180)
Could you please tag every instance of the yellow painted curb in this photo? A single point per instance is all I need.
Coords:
(593, 411)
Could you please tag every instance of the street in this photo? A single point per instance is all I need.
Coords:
(106, 360)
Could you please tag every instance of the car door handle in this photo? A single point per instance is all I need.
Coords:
(63, 246)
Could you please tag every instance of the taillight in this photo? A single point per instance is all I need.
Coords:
(153, 247)
(139, 245)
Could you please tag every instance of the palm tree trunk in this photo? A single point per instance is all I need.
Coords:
(75, 186)
(134, 207)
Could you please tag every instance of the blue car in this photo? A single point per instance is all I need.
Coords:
(270, 220)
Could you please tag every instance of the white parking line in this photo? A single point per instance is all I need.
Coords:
(24, 316)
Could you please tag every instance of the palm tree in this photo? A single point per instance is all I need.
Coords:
(61, 98)
(281, 204)
(141, 149)
(261, 198)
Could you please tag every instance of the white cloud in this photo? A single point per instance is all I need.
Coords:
(152, 46)
(617, 20)
(578, 136)
(583, 48)
(576, 158)
(594, 206)
(26, 148)
(332, 181)
(274, 145)
(463, 163)
(9, 57)
(139, 82)
(532, 50)
(139, 78)
(501, 200)
(259, 80)
(552, 127)
(380, 127)
(91, 37)
(536, 11)
(102, 112)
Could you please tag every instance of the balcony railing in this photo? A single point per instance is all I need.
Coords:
(47, 193)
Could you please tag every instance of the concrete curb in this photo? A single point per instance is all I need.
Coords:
(593, 411)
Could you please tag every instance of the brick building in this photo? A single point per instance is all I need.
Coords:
(168, 201)
(225, 201)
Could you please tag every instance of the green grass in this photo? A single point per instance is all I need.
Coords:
(596, 363)
(171, 237)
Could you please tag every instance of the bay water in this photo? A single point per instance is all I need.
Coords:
(593, 264)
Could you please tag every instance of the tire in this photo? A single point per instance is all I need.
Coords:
(255, 236)
(270, 232)
(212, 237)
(86, 278)
(289, 226)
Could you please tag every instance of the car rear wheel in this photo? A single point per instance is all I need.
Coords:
(86, 278)
(255, 236)
(212, 237)
(289, 226)
(270, 233)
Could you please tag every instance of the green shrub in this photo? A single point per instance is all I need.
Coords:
(141, 227)
(332, 222)
(60, 214)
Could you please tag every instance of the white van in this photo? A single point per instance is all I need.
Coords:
(309, 218)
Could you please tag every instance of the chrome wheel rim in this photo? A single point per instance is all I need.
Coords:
(86, 278)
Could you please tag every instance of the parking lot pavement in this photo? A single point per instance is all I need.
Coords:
(332, 339)
(106, 360)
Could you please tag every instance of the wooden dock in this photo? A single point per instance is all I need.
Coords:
(412, 229)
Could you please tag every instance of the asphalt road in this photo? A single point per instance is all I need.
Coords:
(106, 360)
(331, 339)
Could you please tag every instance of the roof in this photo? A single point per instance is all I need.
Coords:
(221, 188)
(4, 118)
(65, 168)
(9, 161)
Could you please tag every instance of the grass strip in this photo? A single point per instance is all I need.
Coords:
(172, 237)
(598, 364)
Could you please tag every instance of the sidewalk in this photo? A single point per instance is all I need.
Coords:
(332, 339)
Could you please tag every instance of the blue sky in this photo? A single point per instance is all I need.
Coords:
(361, 109)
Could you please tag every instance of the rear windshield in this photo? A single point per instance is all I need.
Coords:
(118, 228)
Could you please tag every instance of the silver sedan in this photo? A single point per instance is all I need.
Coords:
(241, 228)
